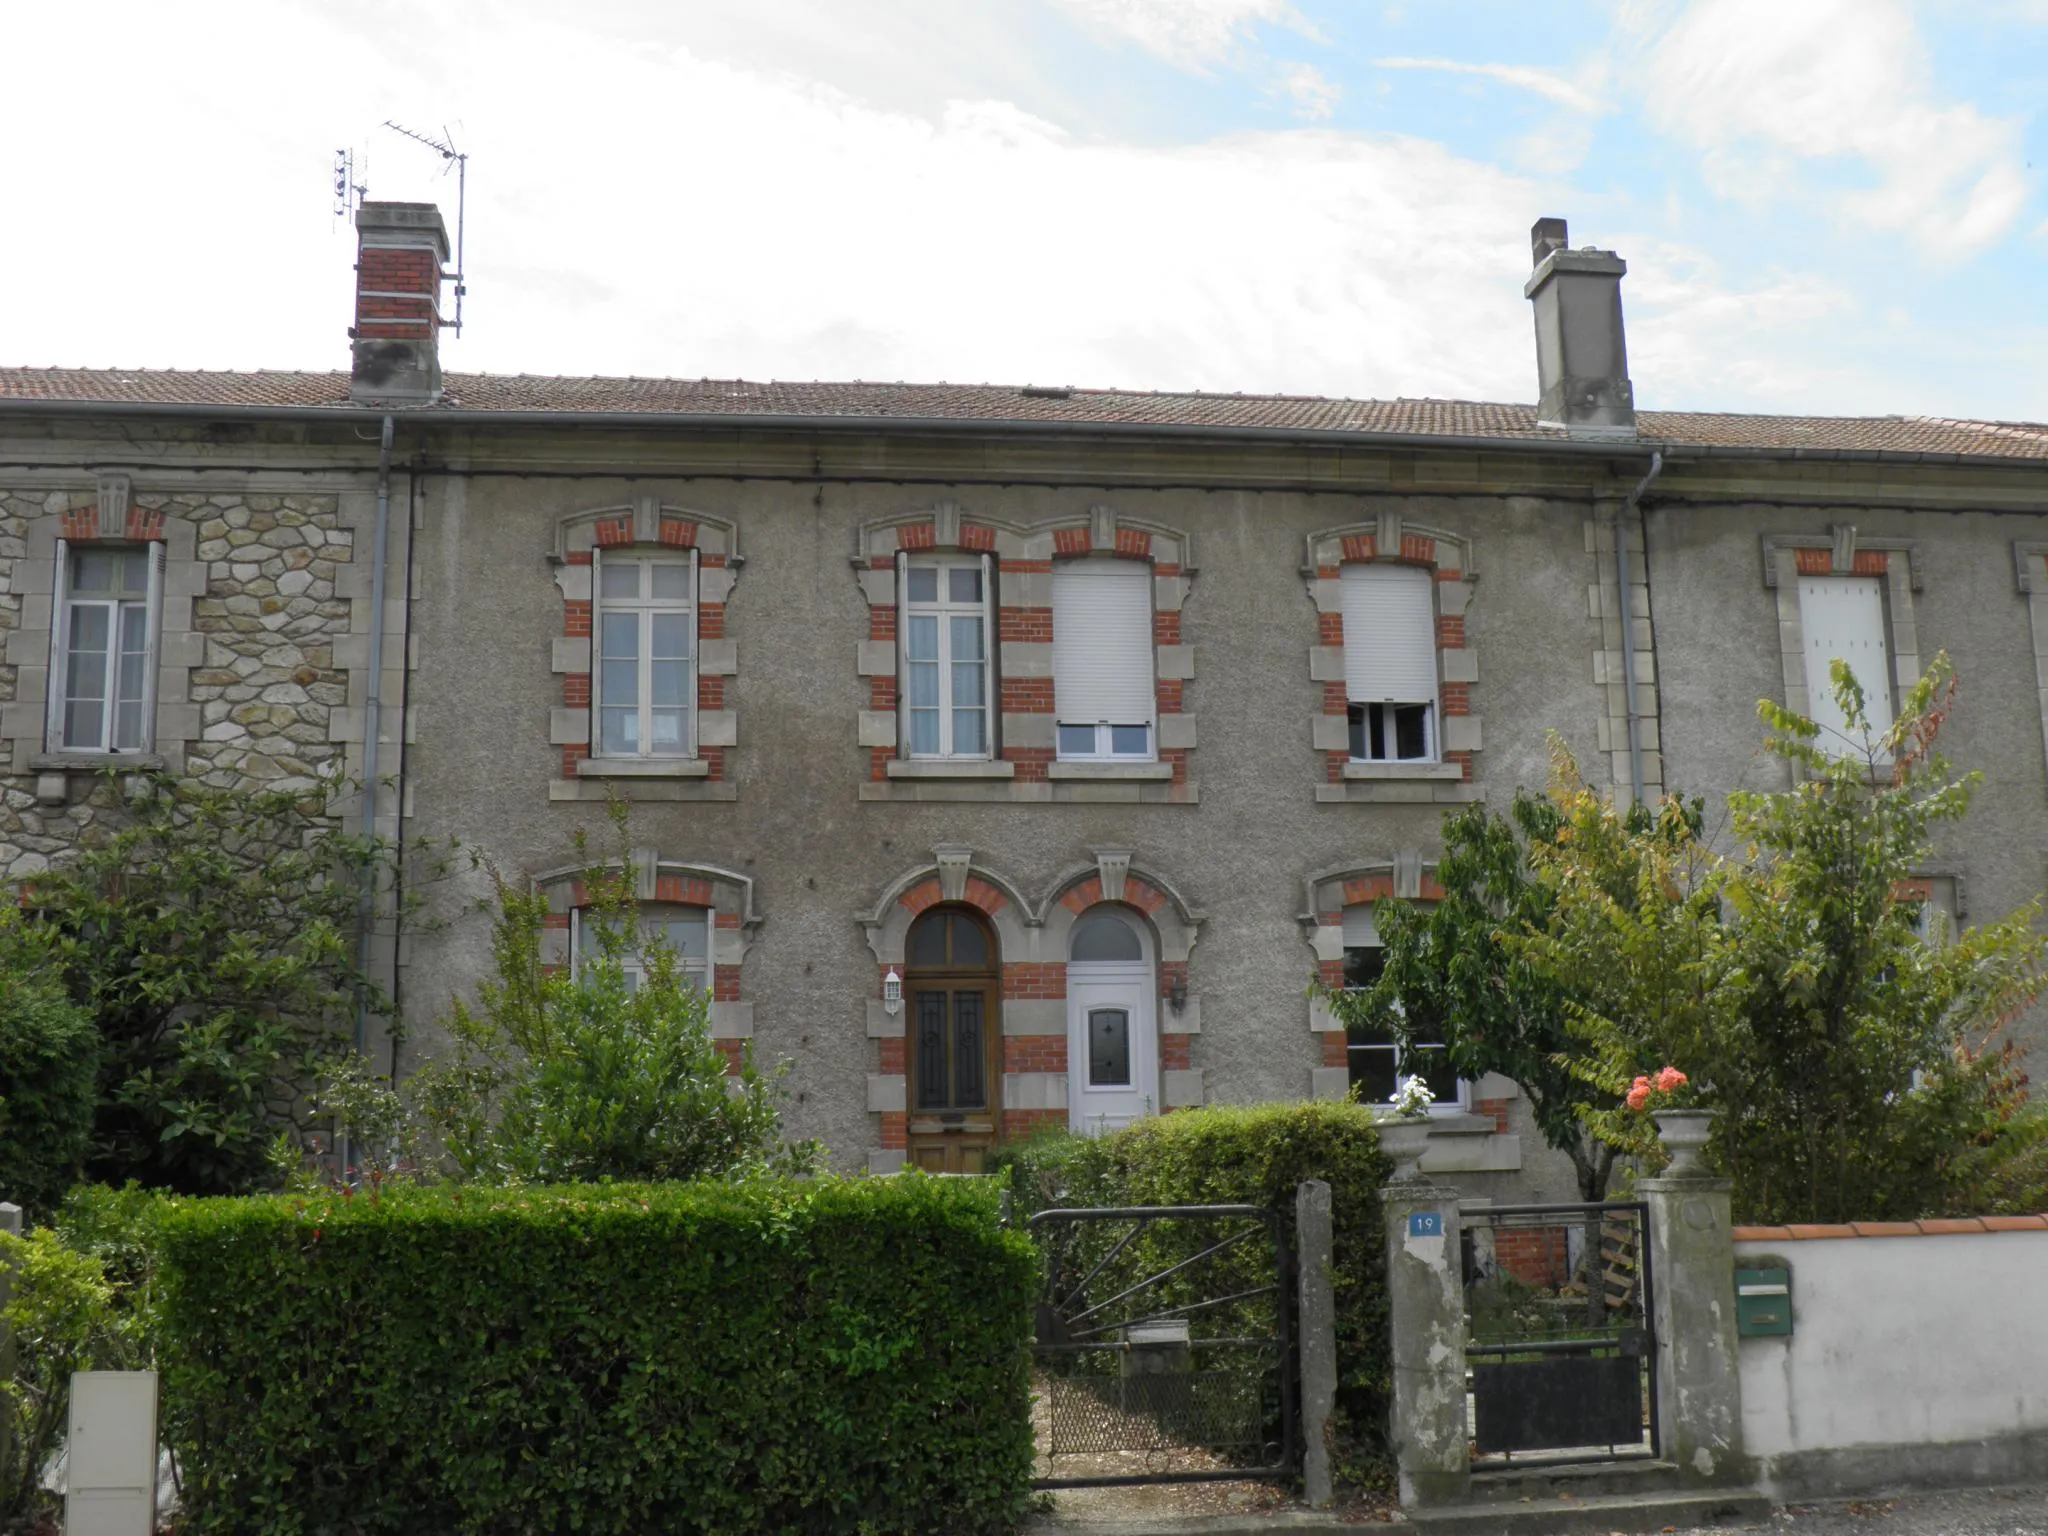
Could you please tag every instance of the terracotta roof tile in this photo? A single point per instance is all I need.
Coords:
(1082, 408)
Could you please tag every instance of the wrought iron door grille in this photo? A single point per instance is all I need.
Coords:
(1559, 1331)
(1164, 1349)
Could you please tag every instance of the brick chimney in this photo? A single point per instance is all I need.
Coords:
(1581, 355)
(401, 249)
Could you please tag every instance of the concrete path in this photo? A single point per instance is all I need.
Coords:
(1990, 1512)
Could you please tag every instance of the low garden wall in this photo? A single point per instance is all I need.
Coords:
(819, 1357)
(1917, 1356)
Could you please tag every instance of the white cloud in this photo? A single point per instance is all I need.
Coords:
(1314, 94)
(1188, 34)
(1770, 93)
(1548, 84)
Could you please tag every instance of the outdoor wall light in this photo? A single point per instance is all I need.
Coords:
(1177, 995)
(892, 993)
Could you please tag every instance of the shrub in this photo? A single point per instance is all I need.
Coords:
(62, 1318)
(727, 1358)
(1255, 1155)
(49, 1063)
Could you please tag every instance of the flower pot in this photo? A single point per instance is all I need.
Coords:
(1684, 1133)
(1405, 1141)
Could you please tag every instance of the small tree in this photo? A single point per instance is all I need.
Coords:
(597, 1073)
(212, 939)
(1449, 977)
(49, 1065)
(1857, 1064)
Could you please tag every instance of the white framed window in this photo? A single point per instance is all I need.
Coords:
(1375, 1057)
(103, 647)
(1103, 693)
(685, 931)
(1390, 673)
(946, 650)
(644, 635)
(1842, 617)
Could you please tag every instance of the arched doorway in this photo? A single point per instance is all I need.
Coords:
(951, 990)
(1112, 1021)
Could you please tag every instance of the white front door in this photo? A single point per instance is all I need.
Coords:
(1112, 1045)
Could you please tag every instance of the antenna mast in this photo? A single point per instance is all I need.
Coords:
(348, 192)
(445, 148)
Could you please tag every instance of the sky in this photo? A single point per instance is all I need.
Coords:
(1827, 206)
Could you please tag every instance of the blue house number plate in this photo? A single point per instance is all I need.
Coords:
(1426, 1224)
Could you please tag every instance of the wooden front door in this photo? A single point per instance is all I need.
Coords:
(952, 995)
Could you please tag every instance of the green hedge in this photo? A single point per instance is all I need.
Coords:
(1254, 1155)
(772, 1357)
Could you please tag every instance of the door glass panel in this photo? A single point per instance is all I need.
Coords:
(1109, 1048)
(970, 946)
(927, 943)
(931, 1050)
(970, 1078)
(1102, 937)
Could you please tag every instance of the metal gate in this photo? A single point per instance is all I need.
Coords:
(1165, 1346)
(1559, 1335)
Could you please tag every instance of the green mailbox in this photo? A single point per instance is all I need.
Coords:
(1763, 1302)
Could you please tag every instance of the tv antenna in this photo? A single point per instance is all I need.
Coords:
(348, 192)
(445, 148)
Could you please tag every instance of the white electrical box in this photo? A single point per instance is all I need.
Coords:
(111, 1456)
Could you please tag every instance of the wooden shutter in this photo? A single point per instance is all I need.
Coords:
(153, 639)
(53, 713)
(1843, 616)
(1360, 930)
(595, 741)
(1102, 642)
(1389, 635)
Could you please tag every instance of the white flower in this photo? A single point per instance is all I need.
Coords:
(1411, 1098)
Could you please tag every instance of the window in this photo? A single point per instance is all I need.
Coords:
(1102, 659)
(104, 696)
(684, 931)
(1390, 663)
(1843, 617)
(946, 650)
(1376, 1059)
(645, 687)
(1101, 936)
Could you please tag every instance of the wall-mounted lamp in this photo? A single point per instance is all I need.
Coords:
(1177, 994)
(892, 993)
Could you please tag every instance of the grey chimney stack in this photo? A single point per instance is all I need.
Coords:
(1581, 355)
(401, 249)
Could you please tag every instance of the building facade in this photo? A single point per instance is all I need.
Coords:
(998, 757)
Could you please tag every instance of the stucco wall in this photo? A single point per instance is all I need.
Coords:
(1911, 1356)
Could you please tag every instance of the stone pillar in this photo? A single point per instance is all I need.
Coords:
(1426, 1296)
(1316, 1330)
(1699, 1387)
(10, 1223)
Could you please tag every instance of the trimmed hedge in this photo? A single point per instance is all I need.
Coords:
(1258, 1154)
(768, 1357)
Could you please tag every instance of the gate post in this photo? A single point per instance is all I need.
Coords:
(1692, 1280)
(1316, 1327)
(1426, 1296)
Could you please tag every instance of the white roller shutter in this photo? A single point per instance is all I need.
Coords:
(1389, 635)
(1360, 931)
(1843, 616)
(1102, 642)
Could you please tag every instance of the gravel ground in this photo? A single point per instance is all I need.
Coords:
(1990, 1512)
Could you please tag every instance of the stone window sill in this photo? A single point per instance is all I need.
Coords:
(1162, 771)
(643, 768)
(95, 762)
(1380, 771)
(903, 768)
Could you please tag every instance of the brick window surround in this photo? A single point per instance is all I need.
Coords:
(1448, 558)
(1477, 1140)
(643, 529)
(1032, 941)
(1843, 552)
(729, 900)
(1026, 768)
